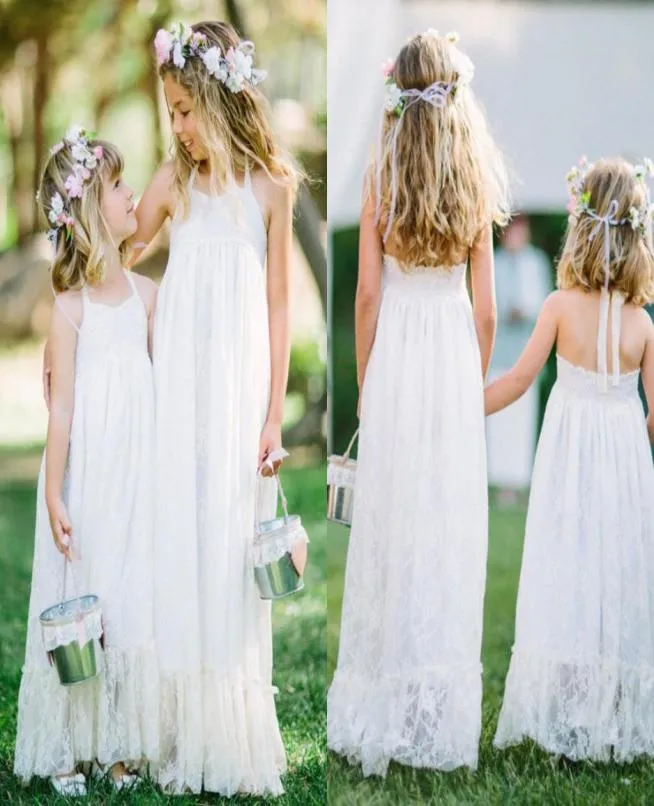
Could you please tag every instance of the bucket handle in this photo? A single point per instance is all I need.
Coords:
(348, 451)
(73, 586)
(278, 482)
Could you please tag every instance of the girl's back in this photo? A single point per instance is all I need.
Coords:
(419, 530)
(580, 679)
(579, 326)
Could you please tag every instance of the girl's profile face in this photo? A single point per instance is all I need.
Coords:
(117, 207)
(183, 118)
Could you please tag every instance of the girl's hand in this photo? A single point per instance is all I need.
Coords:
(47, 373)
(62, 530)
(271, 440)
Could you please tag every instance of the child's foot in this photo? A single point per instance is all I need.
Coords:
(117, 774)
(69, 784)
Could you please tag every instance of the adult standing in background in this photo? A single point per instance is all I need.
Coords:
(523, 280)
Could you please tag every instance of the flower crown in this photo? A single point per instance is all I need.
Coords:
(233, 69)
(396, 99)
(86, 160)
(579, 202)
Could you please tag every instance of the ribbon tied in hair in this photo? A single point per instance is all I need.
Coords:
(435, 94)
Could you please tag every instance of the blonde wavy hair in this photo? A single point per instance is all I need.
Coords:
(631, 265)
(450, 176)
(235, 127)
(79, 257)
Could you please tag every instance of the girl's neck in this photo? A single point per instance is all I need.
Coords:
(113, 266)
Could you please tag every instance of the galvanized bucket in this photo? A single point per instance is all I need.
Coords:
(341, 477)
(279, 548)
(72, 635)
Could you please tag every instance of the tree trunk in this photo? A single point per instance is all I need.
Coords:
(235, 17)
(39, 101)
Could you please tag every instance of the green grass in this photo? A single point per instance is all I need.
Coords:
(523, 775)
(299, 635)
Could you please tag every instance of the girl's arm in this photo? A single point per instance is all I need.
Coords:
(368, 296)
(280, 245)
(482, 275)
(647, 375)
(63, 343)
(155, 206)
(517, 380)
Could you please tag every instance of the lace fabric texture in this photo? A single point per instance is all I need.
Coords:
(581, 679)
(408, 681)
(212, 379)
(108, 493)
(341, 474)
(86, 627)
(271, 547)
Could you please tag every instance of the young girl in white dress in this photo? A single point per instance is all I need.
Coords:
(581, 679)
(408, 682)
(94, 501)
(221, 357)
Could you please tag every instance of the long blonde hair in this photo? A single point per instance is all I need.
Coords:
(450, 176)
(631, 264)
(234, 126)
(79, 254)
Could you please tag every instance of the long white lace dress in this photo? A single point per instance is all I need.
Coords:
(108, 493)
(212, 379)
(581, 679)
(408, 682)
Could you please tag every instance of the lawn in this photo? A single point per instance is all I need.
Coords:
(522, 776)
(299, 635)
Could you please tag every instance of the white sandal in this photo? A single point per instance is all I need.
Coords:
(126, 780)
(70, 786)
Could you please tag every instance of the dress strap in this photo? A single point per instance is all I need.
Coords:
(66, 315)
(610, 304)
(617, 301)
(132, 284)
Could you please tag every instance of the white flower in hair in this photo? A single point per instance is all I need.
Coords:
(73, 134)
(56, 207)
(633, 217)
(649, 166)
(452, 37)
(393, 98)
(178, 56)
(79, 151)
(463, 65)
(431, 32)
(215, 63)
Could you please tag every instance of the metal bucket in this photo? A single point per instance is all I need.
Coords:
(341, 477)
(72, 634)
(275, 571)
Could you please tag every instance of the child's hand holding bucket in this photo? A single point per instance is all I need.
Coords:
(62, 530)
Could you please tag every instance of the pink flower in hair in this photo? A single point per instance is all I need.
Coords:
(74, 186)
(570, 206)
(56, 148)
(387, 67)
(98, 152)
(163, 42)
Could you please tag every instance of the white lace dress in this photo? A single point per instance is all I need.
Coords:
(108, 493)
(212, 379)
(581, 679)
(408, 682)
